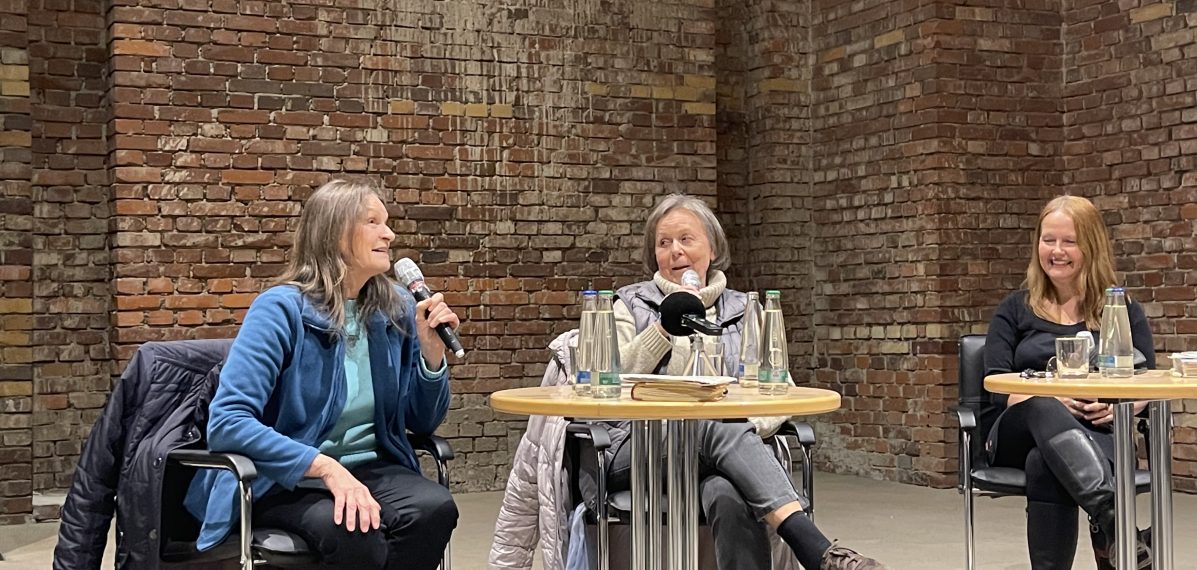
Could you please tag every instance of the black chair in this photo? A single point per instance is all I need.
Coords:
(586, 443)
(257, 545)
(976, 476)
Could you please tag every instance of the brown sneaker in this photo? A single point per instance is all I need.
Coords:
(840, 558)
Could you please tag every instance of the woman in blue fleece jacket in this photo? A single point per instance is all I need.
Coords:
(331, 369)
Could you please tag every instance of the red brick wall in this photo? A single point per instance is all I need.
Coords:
(520, 148)
(1130, 113)
(16, 261)
(936, 129)
(71, 272)
(881, 162)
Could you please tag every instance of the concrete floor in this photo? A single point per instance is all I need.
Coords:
(905, 527)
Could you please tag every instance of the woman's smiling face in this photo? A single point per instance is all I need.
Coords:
(1060, 255)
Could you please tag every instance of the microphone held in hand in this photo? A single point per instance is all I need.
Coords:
(690, 279)
(682, 314)
(410, 276)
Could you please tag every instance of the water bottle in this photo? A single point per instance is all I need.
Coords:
(585, 351)
(775, 358)
(1116, 358)
(606, 349)
(750, 342)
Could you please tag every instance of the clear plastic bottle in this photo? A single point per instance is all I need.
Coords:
(775, 359)
(750, 342)
(585, 350)
(606, 352)
(1116, 358)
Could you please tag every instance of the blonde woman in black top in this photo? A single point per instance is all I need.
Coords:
(1065, 445)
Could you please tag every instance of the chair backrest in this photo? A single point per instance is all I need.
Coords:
(971, 377)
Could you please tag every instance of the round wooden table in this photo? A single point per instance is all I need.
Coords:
(739, 403)
(680, 420)
(1159, 386)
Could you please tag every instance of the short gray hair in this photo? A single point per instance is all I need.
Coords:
(721, 257)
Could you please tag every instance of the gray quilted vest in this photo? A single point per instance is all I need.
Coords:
(644, 301)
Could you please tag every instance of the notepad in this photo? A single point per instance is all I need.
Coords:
(665, 388)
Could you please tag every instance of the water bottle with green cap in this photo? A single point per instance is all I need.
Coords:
(605, 382)
(775, 359)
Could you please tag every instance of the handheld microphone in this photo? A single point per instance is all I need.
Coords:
(411, 277)
(682, 312)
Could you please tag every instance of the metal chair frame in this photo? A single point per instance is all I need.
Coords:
(250, 550)
(972, 370)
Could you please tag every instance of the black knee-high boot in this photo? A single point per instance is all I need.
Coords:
(1051, 535)
(1081, 468)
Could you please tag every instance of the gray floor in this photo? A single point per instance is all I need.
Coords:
(904, 526)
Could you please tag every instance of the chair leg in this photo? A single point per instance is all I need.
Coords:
(970, 544)
(966, 487)
(442, 477)
(247, 501)
(808, 480)
(601, 552)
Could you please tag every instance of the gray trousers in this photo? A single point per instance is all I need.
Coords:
(740, 481)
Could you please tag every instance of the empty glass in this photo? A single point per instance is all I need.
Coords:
(1072, 357)
(713, 363)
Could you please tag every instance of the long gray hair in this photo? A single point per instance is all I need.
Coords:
(721, 257)
(317, 265)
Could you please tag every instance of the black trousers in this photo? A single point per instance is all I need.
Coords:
(1023, 428)
(418, 516)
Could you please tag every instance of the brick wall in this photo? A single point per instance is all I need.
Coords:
(520, 147)
(881, 162)
(1130, 116)
(16, 262)
(71, 273)
(936, 130)
(765, 168)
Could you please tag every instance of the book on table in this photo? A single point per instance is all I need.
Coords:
(666, 388)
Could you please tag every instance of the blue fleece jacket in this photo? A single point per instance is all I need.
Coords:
(282, 389)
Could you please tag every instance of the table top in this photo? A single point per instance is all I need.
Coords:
(739, 403)
(1150, 385)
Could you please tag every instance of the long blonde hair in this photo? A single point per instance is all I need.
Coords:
(317, 265)
(1097, 269)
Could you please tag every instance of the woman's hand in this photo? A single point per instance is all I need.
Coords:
(1074, 407)
(430, 313)
(1100, 413)
(353, 505)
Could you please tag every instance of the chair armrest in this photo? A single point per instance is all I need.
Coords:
(436, 446)
(245, 472)
(241, 466)
(966, 417)
(801, 430)
(598, 435)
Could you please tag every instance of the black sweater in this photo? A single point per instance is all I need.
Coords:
(1018, 340)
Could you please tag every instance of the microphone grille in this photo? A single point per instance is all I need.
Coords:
(407, 272)
(690, 279)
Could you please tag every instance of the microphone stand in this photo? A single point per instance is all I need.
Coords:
(698, 354)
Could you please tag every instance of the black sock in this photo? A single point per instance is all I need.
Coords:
(804, 539)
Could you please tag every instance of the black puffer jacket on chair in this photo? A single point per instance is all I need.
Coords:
(160, 404)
